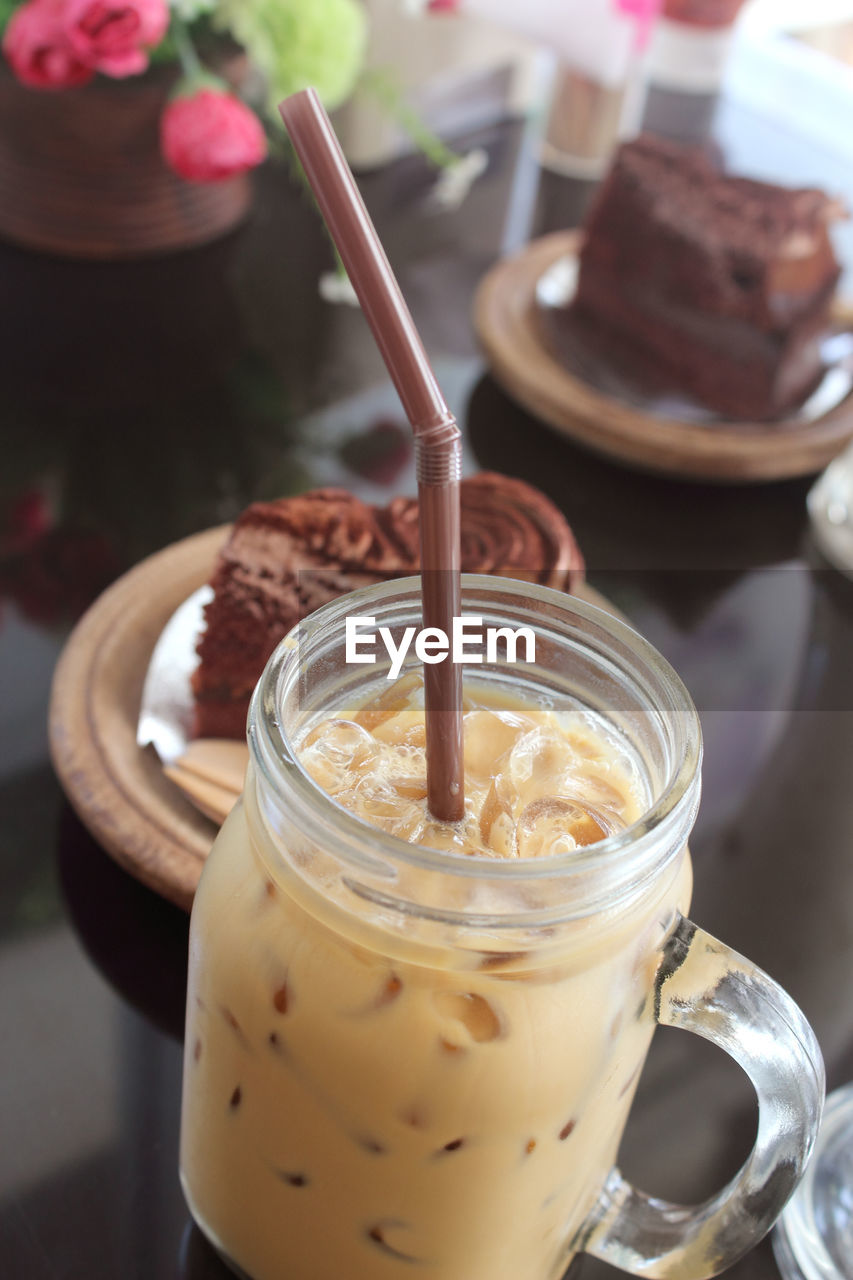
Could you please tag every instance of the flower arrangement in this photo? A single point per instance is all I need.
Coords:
(207, 131)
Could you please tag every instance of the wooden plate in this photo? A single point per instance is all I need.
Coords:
(118, 789)
(510, 331)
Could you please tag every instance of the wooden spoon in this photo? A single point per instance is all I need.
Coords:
(210, 773)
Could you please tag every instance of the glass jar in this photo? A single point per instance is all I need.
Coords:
(402, 1057)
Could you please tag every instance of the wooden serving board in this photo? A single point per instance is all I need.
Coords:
(118, 789)
(505, 317)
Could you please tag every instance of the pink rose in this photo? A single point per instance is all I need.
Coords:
(443, 6)
(211, 135)
(38, 50)
(113, 35)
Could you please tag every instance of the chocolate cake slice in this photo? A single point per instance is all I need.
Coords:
(721, 284)
(284, 559)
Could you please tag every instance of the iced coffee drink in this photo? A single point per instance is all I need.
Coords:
(412, 1047)
(359, 1107)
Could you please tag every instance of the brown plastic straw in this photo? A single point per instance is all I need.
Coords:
(437, 441)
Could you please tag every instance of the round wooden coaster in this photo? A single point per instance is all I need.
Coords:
(505, 317)
(118, 789)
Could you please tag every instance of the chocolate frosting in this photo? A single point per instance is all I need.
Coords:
(508, 528)
(286, 558)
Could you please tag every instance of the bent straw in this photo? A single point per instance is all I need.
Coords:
(437, 440)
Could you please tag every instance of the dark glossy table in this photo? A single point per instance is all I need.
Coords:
(139, 403)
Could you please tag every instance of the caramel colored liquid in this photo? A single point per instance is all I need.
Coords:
(359, 1104)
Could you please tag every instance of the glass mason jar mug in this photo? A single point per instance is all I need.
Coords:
(398, 1056)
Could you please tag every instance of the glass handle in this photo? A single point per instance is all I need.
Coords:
(705, 987)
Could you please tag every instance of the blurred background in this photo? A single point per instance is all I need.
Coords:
(176, 341)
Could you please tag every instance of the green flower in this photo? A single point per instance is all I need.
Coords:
(297, 43)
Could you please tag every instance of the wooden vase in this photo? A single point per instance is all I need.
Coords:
(81, 174)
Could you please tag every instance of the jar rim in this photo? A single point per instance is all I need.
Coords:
(667, 819)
